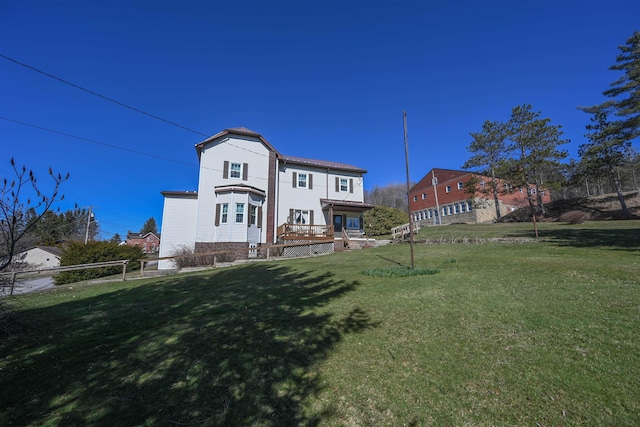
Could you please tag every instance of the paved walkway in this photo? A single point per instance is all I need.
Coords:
(29, 285)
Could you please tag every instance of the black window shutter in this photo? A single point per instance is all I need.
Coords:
(310, 182)
(217, 214)
(350, 185)
(291, 218)
(311, 217)
(337, 184)
(295, 180)
(225, 170)
(245, 171)
(259, 217)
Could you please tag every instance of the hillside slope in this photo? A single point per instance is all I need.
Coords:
(604, 207)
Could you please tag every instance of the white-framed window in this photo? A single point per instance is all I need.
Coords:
(415, 198)
(239, 212)
(460, 186)
(463, 207)
(301, 216)
(254, 215)
(482, 183)
(444, 211)
(448, 189)
(224, 216)
(456, 209)
(469, 206)
(235, 170)
(424, 196)
(302, 180)
(344, 184)
(353, 223)
(450, 209)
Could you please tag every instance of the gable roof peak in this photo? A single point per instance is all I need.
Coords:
(241, 131)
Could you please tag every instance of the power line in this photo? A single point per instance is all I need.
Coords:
(93, 141)
(122, 104)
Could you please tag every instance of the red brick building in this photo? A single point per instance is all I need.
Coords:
(440, 197)
(150, 242)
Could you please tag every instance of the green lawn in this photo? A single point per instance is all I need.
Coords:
(520, 333)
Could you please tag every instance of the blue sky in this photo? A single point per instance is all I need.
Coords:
(326, 80)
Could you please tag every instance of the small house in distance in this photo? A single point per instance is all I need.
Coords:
(149, 242)
(39, 257)
(440, 198)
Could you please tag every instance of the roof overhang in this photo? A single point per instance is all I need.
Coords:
(187, 194)
(234, 131)
(345, 205)
(240, 189)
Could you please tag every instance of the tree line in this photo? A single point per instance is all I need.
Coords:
(527, 149)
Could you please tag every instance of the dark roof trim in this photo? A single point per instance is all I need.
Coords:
(180, 193)
(346, 205)
(325, 164)
(241, 131)
(240, 189)
(131, 235)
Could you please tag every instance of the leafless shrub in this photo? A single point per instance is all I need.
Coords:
(574, 217)
(188, 257)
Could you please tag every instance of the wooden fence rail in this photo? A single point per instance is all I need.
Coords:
(122, 262)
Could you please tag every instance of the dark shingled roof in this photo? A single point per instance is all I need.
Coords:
(321, 163)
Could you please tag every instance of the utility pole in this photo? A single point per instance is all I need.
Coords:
(86, 235)
(434, 182)
(406, 155)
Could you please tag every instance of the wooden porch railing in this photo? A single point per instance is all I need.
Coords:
(403, 230)
(304, 231)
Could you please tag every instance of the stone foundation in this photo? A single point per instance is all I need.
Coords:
(233, 250)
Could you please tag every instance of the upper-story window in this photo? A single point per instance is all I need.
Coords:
(302, 180)
(235, 170)
(424, 196)
(415, 198)
(448, 189)
(344, 185)
(460, 186)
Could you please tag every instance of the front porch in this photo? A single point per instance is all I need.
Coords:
(305, 232)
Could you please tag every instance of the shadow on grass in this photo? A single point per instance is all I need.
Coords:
(626, 239)
(236, 347)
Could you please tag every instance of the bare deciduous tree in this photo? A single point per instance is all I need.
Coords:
(17, 196)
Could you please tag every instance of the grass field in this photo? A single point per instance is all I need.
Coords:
(519, 333)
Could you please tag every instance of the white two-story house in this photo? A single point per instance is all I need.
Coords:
(250, 195)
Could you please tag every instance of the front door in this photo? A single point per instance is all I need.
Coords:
(337, 224)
